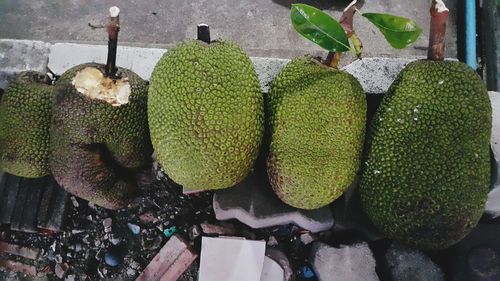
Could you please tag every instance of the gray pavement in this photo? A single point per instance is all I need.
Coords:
(261, 27)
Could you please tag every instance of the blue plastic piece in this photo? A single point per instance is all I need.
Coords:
(112, 259)
(307, 272)
(470, 34)
(169, 231)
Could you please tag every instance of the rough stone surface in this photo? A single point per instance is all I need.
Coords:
(254, 203)
(347, 263)
(477, 256)
(377, 74)
(20, 55)
(267, 69)
(407, 264)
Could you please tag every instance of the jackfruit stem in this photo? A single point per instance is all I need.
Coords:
(204, 33)
(437, 34)
(333, 59)
(113, 27)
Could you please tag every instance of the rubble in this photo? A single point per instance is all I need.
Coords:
(169, 264)
(101, 244)
(306, 238)
(113, 257)
(222, 228)
(348, 263)
(15, 266)
(271, 242)
(194, 232)
(107, 222)
(60, 270)
(25, 252)
(134, 228)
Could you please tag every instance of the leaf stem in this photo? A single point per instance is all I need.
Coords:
(113, 28)
(347, 22)
(439, 20)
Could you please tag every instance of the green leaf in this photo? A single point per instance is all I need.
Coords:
(398, 31)
(319, 27)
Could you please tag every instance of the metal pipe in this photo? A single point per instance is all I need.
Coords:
(470, 34)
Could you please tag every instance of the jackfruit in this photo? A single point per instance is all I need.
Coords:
(25, 113)
(317, 117)
(206, 114)
(427, 174)
(99, 134)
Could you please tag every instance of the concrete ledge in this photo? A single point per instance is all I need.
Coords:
(66, 55)
(375, 74)
(493, 202)
(21, 55)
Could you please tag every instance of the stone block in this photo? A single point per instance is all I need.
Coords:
(347, 263)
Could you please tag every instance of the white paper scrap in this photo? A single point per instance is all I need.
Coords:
(230, 259)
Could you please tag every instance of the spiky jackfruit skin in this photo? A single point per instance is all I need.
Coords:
(97, 147)
(25, 113)
(206, 114)
(428, 174)
(317, 118)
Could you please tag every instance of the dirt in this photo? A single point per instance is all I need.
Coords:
(160, 206)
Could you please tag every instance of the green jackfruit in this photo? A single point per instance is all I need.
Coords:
(99, 135)
(25, 113)
(206, 114)
(317, 120)
(428, 172)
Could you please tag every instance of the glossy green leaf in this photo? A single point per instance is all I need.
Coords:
(319, 27)
(398, 31)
